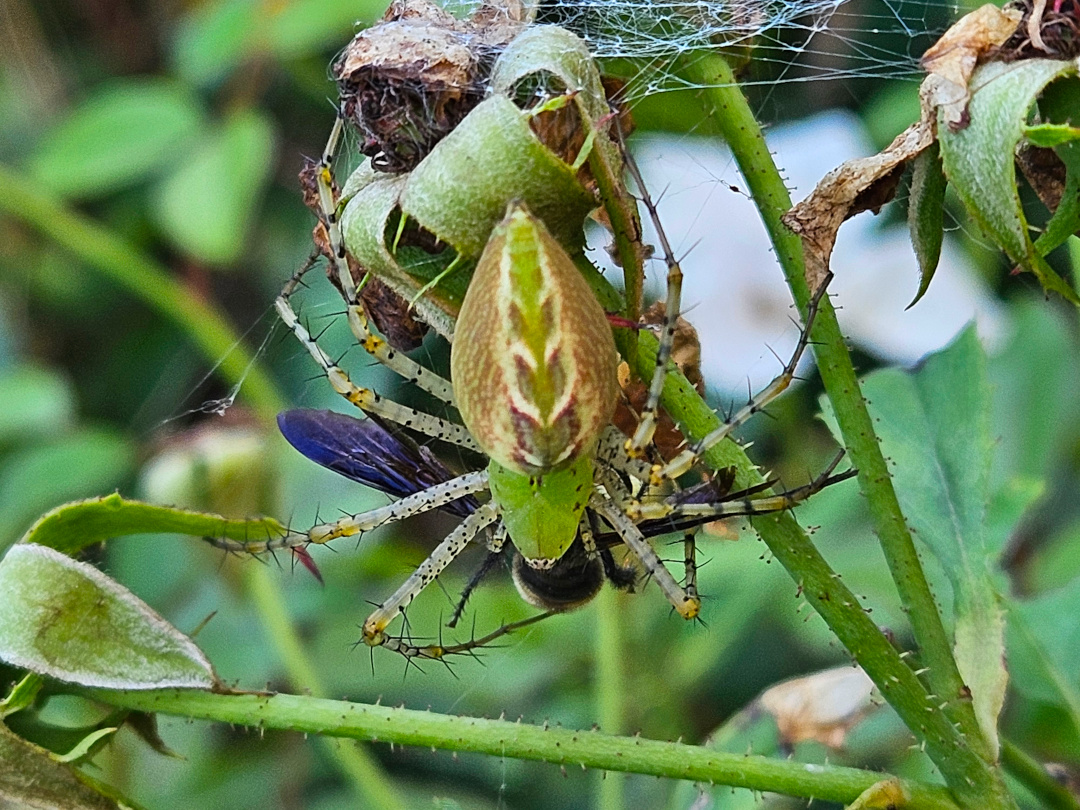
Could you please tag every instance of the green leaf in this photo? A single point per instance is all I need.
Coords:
(74, 526)
(124, 132)
(304, 27)
(934, 428)
(214, 38)
(65, 619)
(1044, 649)
(926, 215)
(979, 158)
(30, 777)
(207, 205)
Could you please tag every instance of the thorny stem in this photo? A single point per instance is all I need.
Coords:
(960, 754)
(589, 749)
(210, 331)
(972, 781)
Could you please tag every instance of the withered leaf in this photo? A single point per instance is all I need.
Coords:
(863, 184)
(823, 706)
(952, 59)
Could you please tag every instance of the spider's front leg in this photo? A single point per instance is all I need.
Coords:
(375, 625)
(686, 602)
(366, 399)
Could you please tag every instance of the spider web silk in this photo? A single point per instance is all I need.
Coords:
(796, 40)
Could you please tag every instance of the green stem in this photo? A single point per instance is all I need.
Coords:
(973, 782)
(609, 687)
(622, 212)
(590, 749)
(356, 761)
(1032, 775)
(210, 331)
(145, 279)
(744, 136)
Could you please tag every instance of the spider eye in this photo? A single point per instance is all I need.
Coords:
(568, 583)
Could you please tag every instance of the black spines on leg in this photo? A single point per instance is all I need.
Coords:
(569, 582)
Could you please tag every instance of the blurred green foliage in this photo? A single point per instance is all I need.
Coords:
(179, 128)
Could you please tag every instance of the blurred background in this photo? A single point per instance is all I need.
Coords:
(149, 213)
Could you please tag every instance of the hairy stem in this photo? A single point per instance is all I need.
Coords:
(590, 749)
(960, 756)
(973, 782)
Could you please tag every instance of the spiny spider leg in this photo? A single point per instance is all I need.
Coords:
(374, 345)
(434, 497)
(496, 544)
(736, 506)
(690, 566)
(442, 556)
(690, 455)
(364, 398)
(439, 651)
(611, 450)
(650, 414)
(688, 607)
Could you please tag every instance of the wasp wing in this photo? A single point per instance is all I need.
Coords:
(364, 450)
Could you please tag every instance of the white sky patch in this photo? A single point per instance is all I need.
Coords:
(734, 292)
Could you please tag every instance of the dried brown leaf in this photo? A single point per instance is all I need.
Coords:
(952, 59)
(863, 184)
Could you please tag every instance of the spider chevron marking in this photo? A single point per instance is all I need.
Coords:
(533, 367)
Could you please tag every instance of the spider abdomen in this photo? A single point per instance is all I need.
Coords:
(533, 361)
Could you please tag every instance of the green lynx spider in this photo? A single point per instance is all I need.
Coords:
(550, 482)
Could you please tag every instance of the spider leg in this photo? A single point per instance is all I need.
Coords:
(690, 566)
(611, 450)
(495, 545)
(439, 651)
(685, 605)
(374, 345)
(753, 505)
(442, 556)
(650, 415)
(433, 497)
(689, 456)
(366, 399)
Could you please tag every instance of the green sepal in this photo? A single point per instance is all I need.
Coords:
(542, 513)
(1060, 103)
(926, 215)
(461, 190)
(74, 526)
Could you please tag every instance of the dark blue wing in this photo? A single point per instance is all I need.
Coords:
(365, 451)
